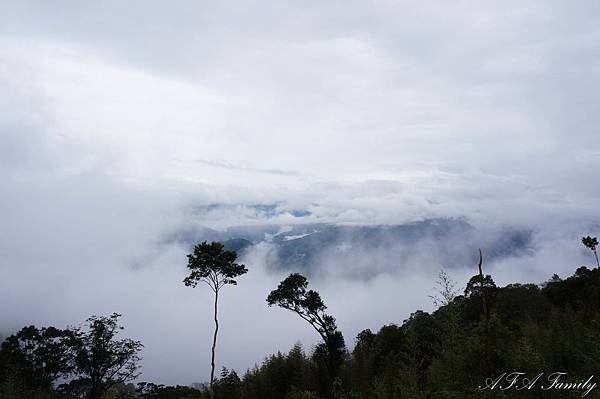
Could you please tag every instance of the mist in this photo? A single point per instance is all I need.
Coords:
(85, 245)
(122, 125)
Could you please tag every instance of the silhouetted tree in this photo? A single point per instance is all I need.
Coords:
(445, 291)
(482, 287)
(292, 294)
(228, 386)
(148, 390)
(591, 243)
(216, 267)
(101, 360)
(37, 357)
(478, 285)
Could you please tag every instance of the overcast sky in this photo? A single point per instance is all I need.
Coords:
(118, 118)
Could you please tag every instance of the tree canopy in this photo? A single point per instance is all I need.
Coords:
(212, 264)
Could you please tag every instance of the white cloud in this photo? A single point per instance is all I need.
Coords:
(118, 119)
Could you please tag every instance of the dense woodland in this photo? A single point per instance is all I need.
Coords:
(481, 333)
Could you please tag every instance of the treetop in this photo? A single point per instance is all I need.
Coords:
(214, 265)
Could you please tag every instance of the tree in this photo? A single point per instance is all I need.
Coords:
(102, 361)
(292, 294)
(37, 357)
(481, 286)
(216, 267)
(591, 243)
(229, 385)
(445, 290)
(148, 390)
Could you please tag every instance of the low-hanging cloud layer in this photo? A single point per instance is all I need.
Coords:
(119, 121)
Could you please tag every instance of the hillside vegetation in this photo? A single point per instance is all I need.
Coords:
(480, 334)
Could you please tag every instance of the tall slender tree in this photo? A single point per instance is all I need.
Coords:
(591, 243)
(211, 264)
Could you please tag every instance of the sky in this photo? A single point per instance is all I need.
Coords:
(119, 119)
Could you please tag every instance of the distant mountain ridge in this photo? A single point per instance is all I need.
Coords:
(450, 242)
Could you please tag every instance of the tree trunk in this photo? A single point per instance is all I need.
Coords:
(214, 345)
(483, 298)
(596, 255)
(95, 391)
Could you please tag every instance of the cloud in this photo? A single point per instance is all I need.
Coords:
(118, 121)
(245, 167)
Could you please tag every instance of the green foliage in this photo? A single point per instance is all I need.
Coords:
(212, 264)
(591, 243)
(448, 353)
(281, 375)
(102, 361)
(148, 390)
(38, 356)
(442, 355)
(97, 365)
(292, 294)
(295, 394)
(228, 386)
